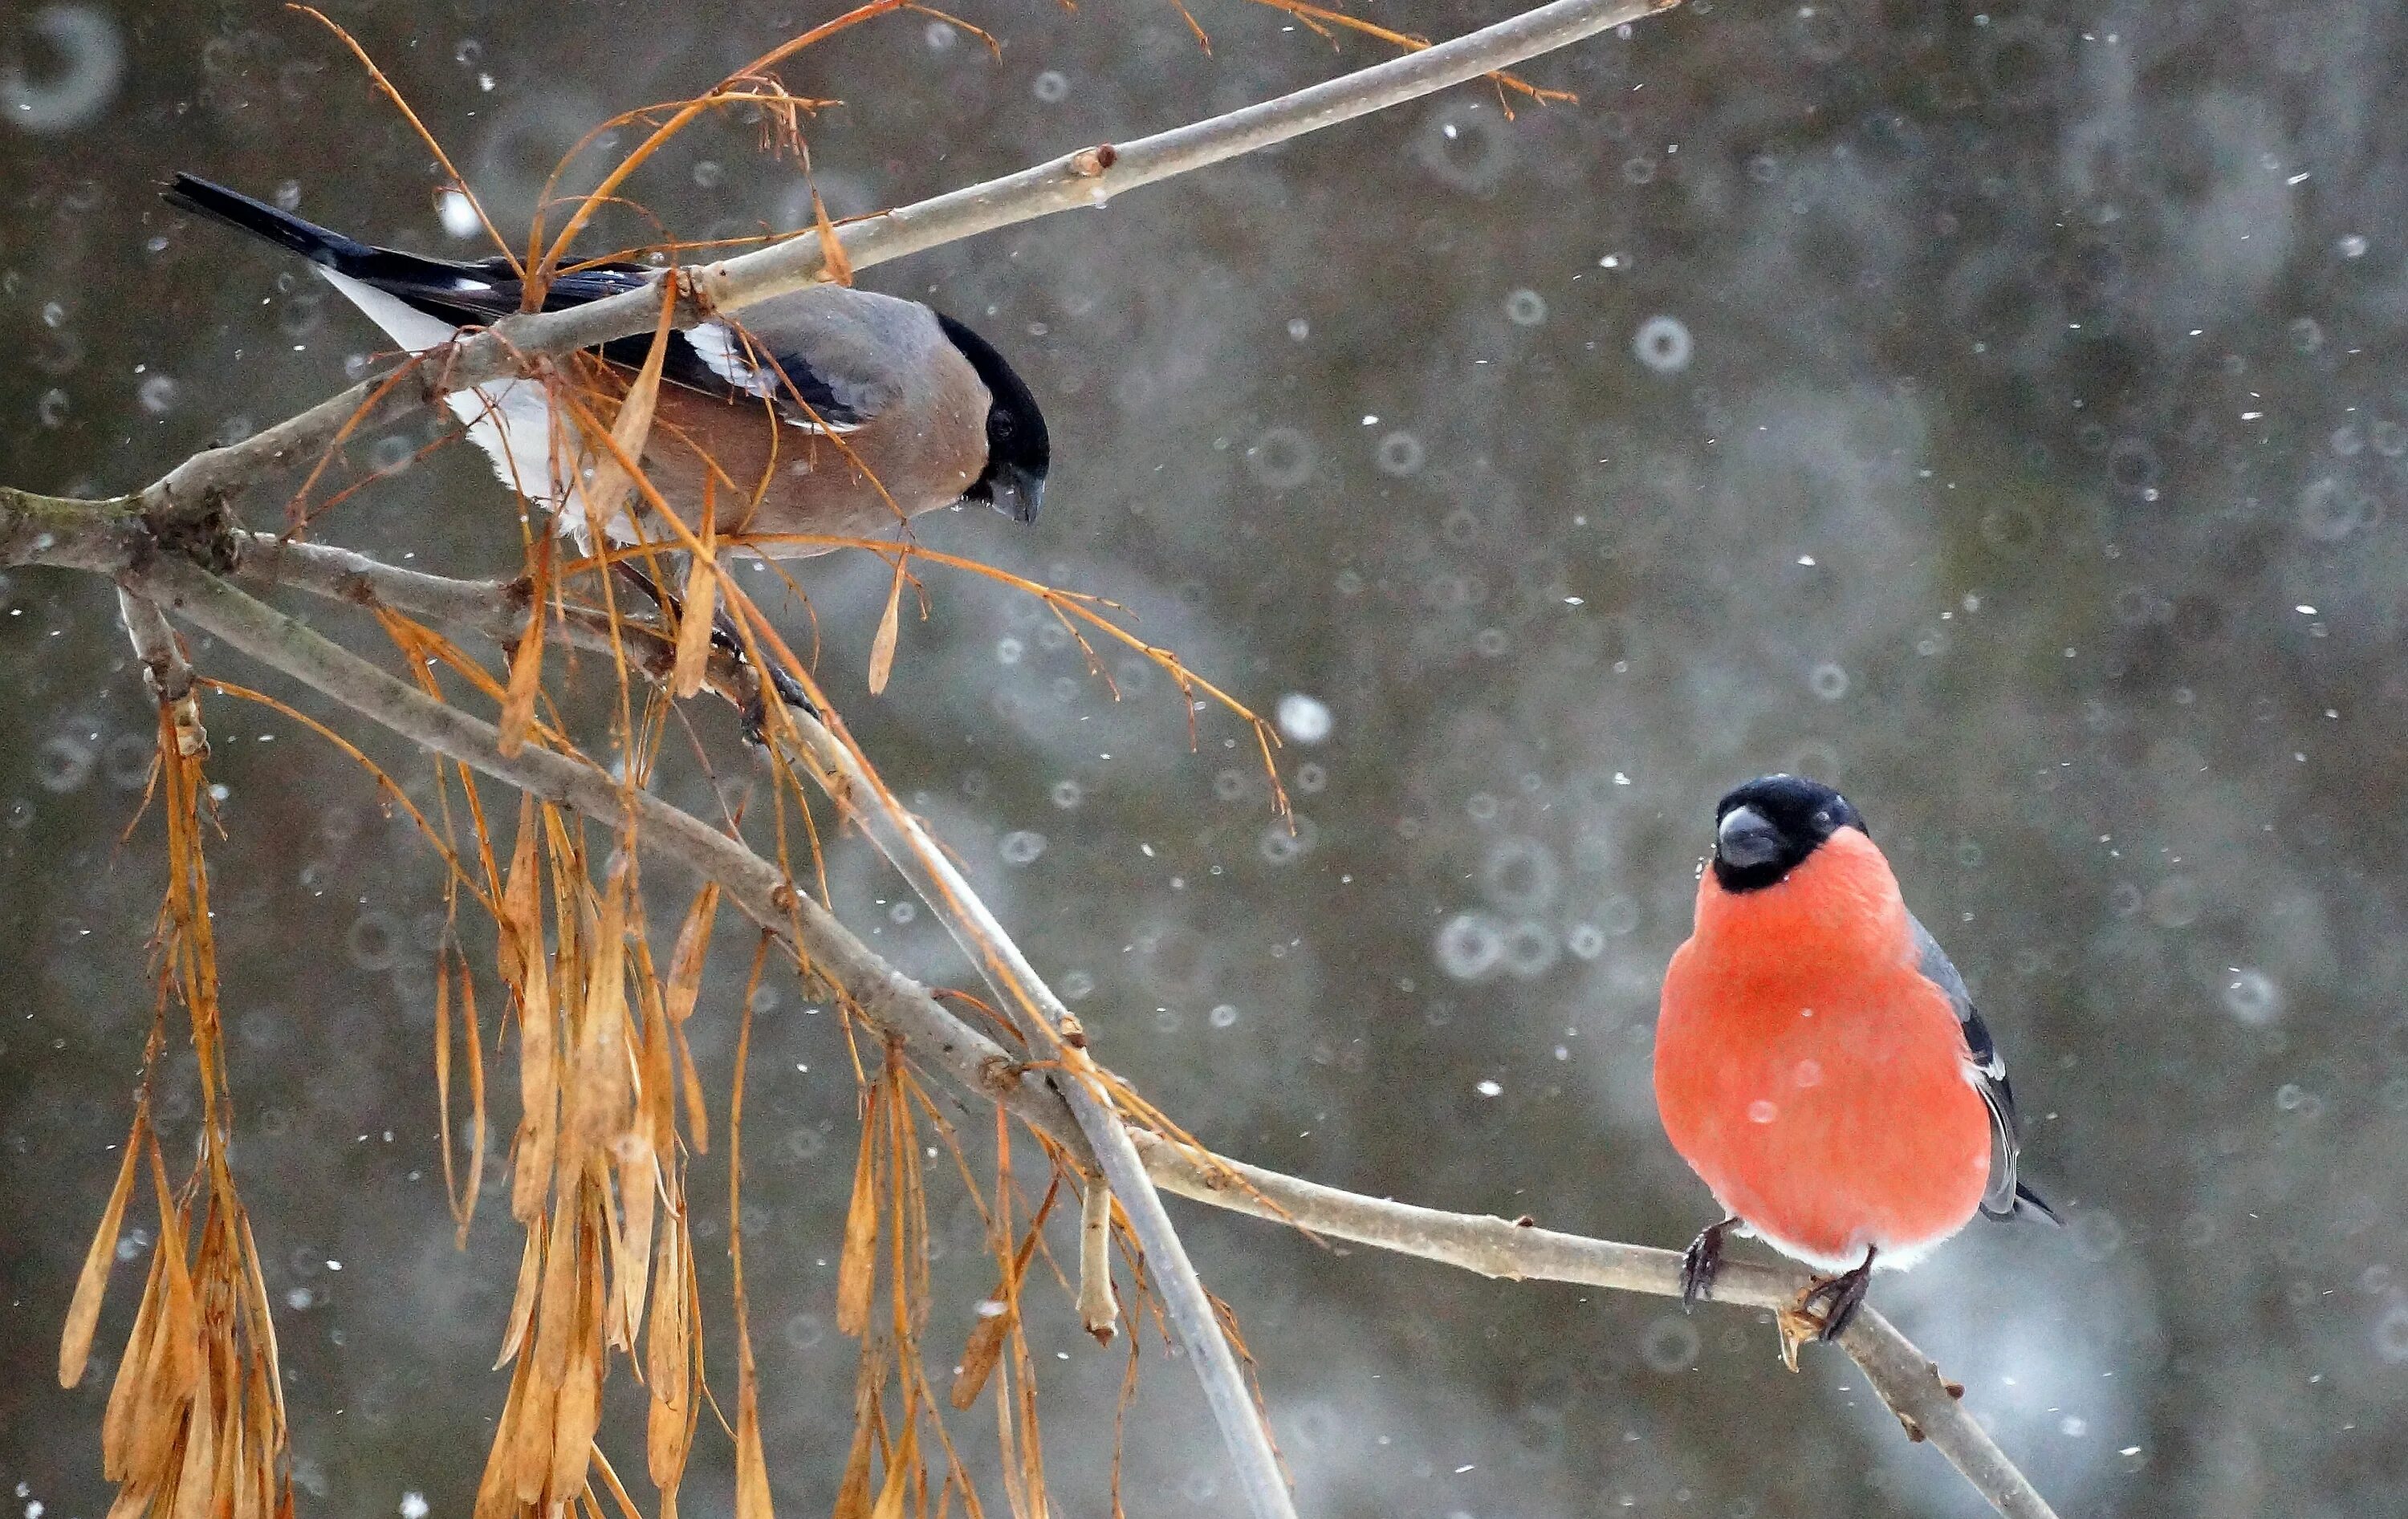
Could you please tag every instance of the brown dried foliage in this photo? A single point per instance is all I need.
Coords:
(196, 1418)
(611, 1108)
(598, 1176)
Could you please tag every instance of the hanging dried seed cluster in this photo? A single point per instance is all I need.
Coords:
(598, 1176)
(195, 1421)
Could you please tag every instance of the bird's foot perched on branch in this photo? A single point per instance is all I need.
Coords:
(724, 637)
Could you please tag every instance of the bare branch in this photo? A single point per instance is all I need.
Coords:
(164, 669)
(101, 536)
(154, 643)
(1098, 1310)
(1926, 1406)
(1088, 177)
(1107, 1142)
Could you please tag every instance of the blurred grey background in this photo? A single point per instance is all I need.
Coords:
(1996, 412)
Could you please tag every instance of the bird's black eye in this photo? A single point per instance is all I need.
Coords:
(1000, 427)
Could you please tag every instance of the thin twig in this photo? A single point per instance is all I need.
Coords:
(897, 834)
(165, 670)
(41, 530)
(1088, 177)
(164, 666)
(1098, 1310)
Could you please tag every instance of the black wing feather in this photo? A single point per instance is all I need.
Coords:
(480, 292)
(2004, 1196)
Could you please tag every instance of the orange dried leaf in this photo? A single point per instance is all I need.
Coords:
(857, 1272)
(902, 1465)
(668, 1362)
(693, 949)
(697, 1117)
(556, 1308)
(852, 1493)
(694, 622)
(522, 914)
(474, 1043)
(195, 1481)
(523, 1302)
(578, 1414)
(249, 1498)
(526, 661)
(984, 1348)
(497, 1492)
(83, 1310)
(751, 1468)
(840, 268)
(126, 1393)
(606, 492)
(598, 1088)
(179, 1364)
(524, 963)
(443, 1077)
(530, 1459)
(881, 648)
(639, 1191)
(268, 1371)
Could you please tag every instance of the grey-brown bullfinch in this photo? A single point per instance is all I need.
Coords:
(826, 411)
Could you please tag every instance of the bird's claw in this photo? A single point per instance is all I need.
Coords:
(1839, 1296)
(756, 714)
(727, 641)
(1701, 1263)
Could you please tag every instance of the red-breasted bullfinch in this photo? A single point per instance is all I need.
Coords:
(828, 410)
(1818, 1061)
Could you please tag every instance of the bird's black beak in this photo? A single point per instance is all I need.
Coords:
(1016, 492)
(1747, 838)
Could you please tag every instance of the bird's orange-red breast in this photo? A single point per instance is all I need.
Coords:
(1818, 1061)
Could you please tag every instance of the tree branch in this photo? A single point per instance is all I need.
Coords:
(1926, 1406)
(164, 669)
(839, 770)
(123, 537)
(1107, 1147)
(1088, 177)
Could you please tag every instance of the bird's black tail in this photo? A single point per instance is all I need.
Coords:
(2028, 1201)
(461, 294)
(347, 255)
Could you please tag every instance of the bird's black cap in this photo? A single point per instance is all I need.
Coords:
(1018, 450)
(1767, 828)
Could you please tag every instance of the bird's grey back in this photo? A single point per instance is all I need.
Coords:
(1939, 969)
(871, 350)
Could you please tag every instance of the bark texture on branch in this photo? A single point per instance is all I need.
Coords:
(90, 538)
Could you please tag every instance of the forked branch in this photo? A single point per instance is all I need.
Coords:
(143, 542)
(1928, 1406)
(1088, 177)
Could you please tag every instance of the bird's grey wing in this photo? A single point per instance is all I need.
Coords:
(721, 357)
(1986, 1069)
(829, 359)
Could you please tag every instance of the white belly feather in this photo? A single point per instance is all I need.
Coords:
(512, 420)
